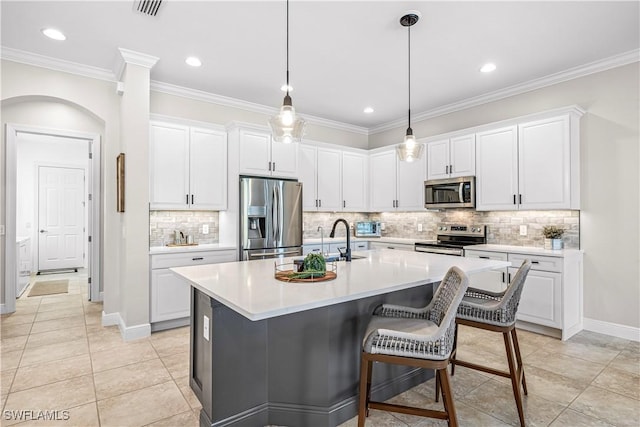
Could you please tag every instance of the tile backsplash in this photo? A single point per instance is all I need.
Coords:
(503, 227)
(162, 225)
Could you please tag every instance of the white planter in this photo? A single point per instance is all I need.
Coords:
(553, 244)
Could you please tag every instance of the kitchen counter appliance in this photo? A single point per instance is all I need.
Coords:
(452, 238)
(368, 229)
(270, 218)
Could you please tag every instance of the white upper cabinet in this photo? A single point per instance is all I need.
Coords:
(329, 179)
(354, 181)
(260, 155)
(188, 167)
(532, 165)
(332, 180)
(396, 185)
(450, 158)
(497, 169)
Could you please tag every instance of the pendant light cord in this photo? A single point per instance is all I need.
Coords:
(287, 47)
(409, 85)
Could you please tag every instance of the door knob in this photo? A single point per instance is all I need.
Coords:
(43, 231)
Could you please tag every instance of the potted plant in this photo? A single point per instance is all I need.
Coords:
(552, 237)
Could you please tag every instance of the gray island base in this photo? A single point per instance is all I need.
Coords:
(299, 369)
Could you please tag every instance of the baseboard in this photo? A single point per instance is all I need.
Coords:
(111, 319)
(613, 329)
(128, 332)
(3, 309)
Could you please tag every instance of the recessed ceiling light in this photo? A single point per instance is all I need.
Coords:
(488, 67)
(54, 34)
(286, 88)
(368, 110)
(193, 61)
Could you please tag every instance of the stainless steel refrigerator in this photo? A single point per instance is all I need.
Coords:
(270, 218)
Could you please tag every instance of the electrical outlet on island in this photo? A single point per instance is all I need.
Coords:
(205, 228)
(523, 230)
(419, 227)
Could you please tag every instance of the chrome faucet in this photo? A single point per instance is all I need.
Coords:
(347, 253)
(322, 252)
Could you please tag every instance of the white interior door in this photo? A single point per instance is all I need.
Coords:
(60, 218)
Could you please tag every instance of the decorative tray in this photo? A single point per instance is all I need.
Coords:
(287, 272)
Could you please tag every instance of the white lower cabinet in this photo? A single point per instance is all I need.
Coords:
(552, 294)
(386, 245)
(169, 293)
(492, 280)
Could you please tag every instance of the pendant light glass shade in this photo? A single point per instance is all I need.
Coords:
(286, 126)
(409, 150)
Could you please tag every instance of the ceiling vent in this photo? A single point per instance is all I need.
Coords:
(148, 7)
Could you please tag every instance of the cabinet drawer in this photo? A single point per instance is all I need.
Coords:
(360, 246)
(538, 262)
(501, 256)
(191, 258)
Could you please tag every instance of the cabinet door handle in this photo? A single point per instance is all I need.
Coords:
(446, 169)
(535, 262)
(514, 199)
(198, 258)
(484, 257)
(316, 203)
(274, 166)
(503, 277)
(319, 203)
(509, 277)
(192, 199)
(450, 168)
(520, 197)
(187, 199)
(344, 204)
(269, 165)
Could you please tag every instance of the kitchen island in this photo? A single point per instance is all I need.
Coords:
(269, 352)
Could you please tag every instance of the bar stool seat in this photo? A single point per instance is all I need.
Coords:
(419, 337)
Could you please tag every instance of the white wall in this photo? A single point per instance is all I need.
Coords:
(610, 182)
(43, 150)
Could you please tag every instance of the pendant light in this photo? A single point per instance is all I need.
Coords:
(285, 126)
(409, 150)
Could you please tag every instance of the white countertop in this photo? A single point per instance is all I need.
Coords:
(198, 248)
(249, 287)
(527, 250)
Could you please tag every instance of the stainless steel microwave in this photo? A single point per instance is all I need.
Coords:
(450, 193)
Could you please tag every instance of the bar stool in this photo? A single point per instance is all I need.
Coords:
(419, 337)
(495, 311)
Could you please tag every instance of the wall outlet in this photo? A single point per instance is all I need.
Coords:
(205, 328)
(523, 230)
(382, 227)
(205, 228)
(419, 227)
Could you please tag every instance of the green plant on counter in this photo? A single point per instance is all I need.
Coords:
(313, 266)
(552, 232)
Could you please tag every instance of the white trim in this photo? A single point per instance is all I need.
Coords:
(55, 64)
(128, 333)
(226, 101)
(613, 329)
(563, 76)
(110, 319)
(137, 58)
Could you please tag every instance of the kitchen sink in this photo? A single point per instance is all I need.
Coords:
(336, 257)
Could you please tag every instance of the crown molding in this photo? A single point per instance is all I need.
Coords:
(132, 57)
(23, 57)
(570, 74)
(226, 101)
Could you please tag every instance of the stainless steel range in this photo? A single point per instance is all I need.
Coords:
(452, 238)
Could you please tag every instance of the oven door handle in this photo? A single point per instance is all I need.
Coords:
(432, 250)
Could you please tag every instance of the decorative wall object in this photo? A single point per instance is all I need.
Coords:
(120, 183)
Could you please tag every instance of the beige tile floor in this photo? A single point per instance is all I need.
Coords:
(56, 355)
